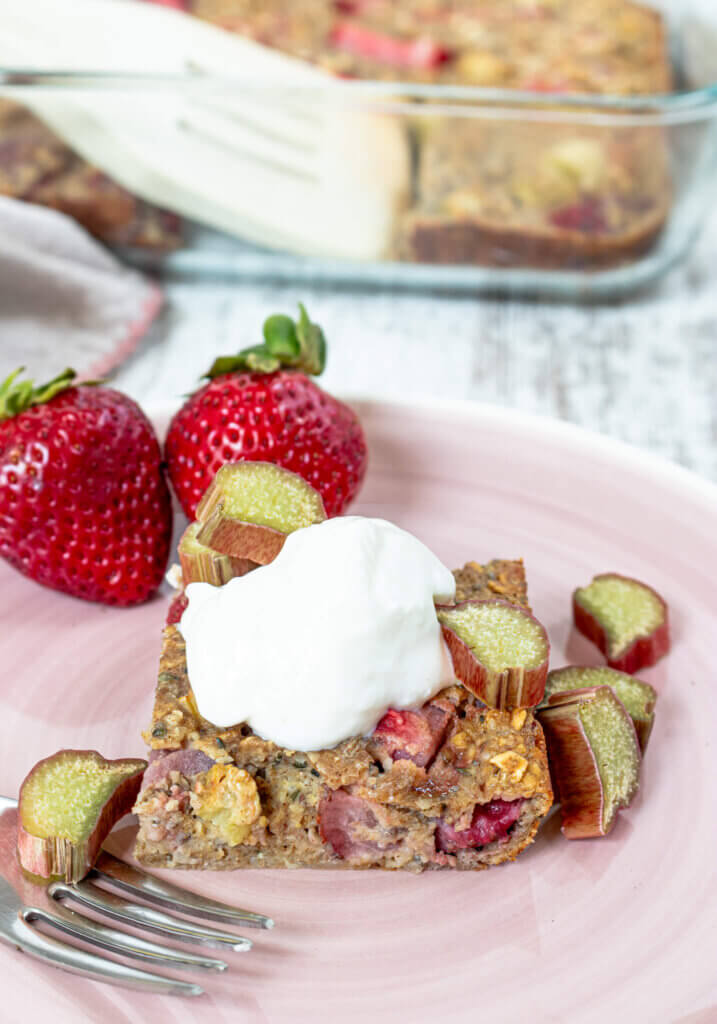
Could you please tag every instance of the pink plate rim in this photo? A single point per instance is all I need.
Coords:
(630, 456)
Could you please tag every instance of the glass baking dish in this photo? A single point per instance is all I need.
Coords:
(390, 184)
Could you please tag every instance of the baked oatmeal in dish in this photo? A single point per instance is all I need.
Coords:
(451, 784)
(590, 46)
(601, 200)
(558, 196)
(493, 191)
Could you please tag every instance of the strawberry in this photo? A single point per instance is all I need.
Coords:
(262, 405)
(490, 822)
(413, 735)
(84, 506)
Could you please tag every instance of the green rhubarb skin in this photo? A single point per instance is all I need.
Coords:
(624, 608)
(616, 753)
(637, 697)
(499, 637)
(64, 800)
(264, 494)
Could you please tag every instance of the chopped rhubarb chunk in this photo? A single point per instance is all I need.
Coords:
(413, 735)
(490, 822)
(594, 758)
(637, 698)
(68, 805)
(587, 216)
(499, 652)
(249, 509)
(201, 564)
(625, 618)
(342, 819)
(422, 53)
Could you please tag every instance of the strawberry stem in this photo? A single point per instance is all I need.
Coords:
(18, 395)
(299, 345)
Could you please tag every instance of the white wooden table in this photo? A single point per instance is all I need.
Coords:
(643, 370)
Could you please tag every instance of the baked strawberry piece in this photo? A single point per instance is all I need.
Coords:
(263, 405)
(84, 505)
(489, 823)
(413, 735)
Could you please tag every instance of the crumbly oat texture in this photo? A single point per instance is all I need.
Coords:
(451, 785)
(559, 196)
(596, 46)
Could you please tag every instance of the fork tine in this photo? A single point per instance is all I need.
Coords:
(267, 113)
(241, 137)
(88, 965)
(140, 884)
(137, 915)
(84, 928)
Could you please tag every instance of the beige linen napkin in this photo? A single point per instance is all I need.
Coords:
(64, 299)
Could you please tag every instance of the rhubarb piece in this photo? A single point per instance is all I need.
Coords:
(637, 697)
(500, 652)
(68, 805)
(626, 619)
(250, 508)
(594, 758)
(421, 53)
(201, 564)
(490, 823)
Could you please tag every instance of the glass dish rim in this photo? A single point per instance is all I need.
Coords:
(393, 97)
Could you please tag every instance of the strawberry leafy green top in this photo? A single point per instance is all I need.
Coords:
(299, 345)
(18, 395)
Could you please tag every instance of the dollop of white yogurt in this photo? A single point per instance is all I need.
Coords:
(316, 646)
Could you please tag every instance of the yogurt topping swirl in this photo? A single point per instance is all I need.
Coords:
(316, 646)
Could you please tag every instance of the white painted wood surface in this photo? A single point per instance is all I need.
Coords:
(643, 370)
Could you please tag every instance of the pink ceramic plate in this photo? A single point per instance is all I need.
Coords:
(617, 929)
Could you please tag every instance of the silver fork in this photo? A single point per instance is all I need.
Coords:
(24, 905)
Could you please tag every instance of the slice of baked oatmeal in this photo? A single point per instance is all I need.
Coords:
(450, 785)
